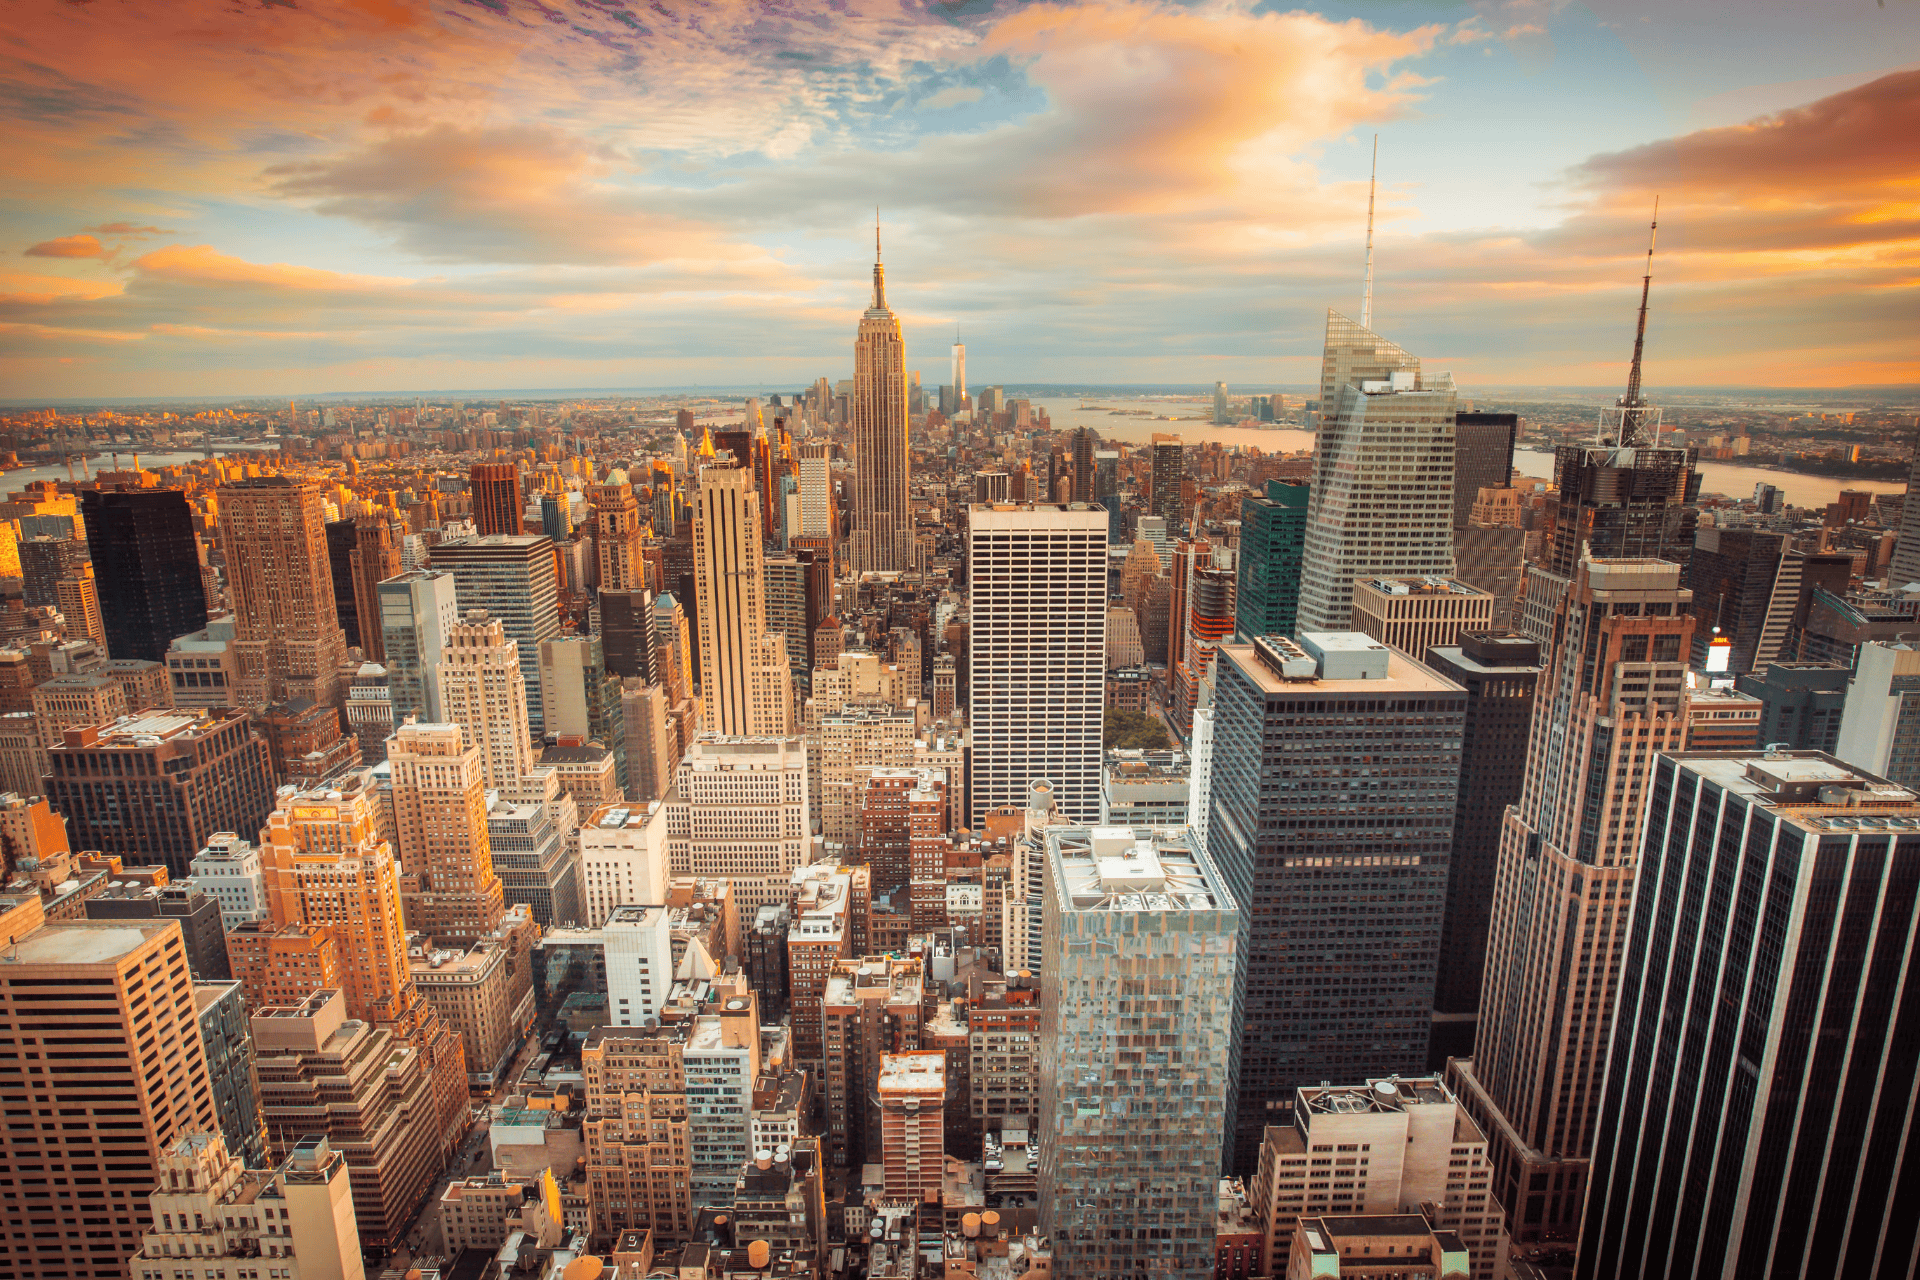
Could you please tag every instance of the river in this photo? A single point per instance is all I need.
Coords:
(17, 480)
(1715, 477)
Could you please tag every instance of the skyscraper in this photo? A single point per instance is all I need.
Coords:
(1499, 671)
(146, 563)
(1759, 1104)
(1335, 768)
(1083, 465)
(1745, 584)
(1168, 479)
(483, 691)
(739, 810)
(1482, 457)
(440, 825)
(740, 695)
(816, 490)
(78, 599)
(1140, 931)
(959, 374)
(616, 535)
(1106, 491)
(882, 508)
(1273, 535)
(496, 497)
(1382, 496)
(290, 646)
(96, 992)
(418, 611)
(512, 578)
(1905, 566)
(1612, 696)
(1038, 654)
(1220, 416)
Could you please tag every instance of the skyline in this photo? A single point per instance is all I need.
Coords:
(386, 197)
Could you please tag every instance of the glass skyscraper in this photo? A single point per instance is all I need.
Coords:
(1273, 535)
(1139, 937)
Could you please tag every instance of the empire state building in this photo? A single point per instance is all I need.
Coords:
(882, 512)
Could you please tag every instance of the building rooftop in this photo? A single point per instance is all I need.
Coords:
(1812, 789)
(1129, 869)
(76, 942)
(1301, 667)
(1428, 586)
(912, 1072)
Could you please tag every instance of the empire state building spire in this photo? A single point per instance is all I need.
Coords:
(882, 510)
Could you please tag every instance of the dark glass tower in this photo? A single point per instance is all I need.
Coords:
(1331, 811)
(146, 567)
(1760, 1093)
(1483, 457)
(1273, 535)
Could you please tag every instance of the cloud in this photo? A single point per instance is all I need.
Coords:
(128, 229)
(952, 96)
(67, 247)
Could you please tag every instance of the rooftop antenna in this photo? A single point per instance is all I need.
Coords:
(1366, 298)
(879, 274)
(1633, 408)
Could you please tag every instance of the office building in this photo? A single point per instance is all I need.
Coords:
(158, 788)
(1381, 503)
(1500, 670)
(530, 830)
(882, 538)
(512, 578)
(1483, 446)
(1905, 566)
(1273, 535)
(1745, 584)
(69, 701)
(722, 1057)
(1220, 408)
(1355, 354)
(869, 1009)
(484, 691)
(280, 585)
(1612, 696)
(362, 552)
(369, 711)
(356, 1087)
(1392, 1244)
(44, 560)
(913, 1095)
(746, 686)
(182, 900)
(1335, 769)
(225, 1036)
(828, 919)
(1417, 614)
(627, 637)
(78, 598)
(1759, 1085)
(1395, 1145)
(1494, 559)
(816, 490)
(739, 812)
(1129, 1134)
(1037, 653)
(279, 964)
(495, 488)
(639, 1165)
(440, 832)
(1167, 478)
(418, 611)
(1880, 727)
(111, 1109)
(218, 1204)
(1801, 703)
(788, 609)
(201, 666)
(617, 535)
(623, 857)
(483, 991)
(1145, 789)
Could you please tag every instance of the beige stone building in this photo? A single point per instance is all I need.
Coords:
(1417, 614)
(440, 826)
(68, 701)
(484, 691)
(739, 809)
(484, 991)
(289, 643)
(639, 1152)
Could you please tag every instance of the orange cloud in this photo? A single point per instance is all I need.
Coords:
(67, 247)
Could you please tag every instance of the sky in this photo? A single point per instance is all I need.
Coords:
(237, 197)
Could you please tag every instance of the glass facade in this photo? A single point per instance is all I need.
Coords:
(1273, 535)
(1140, 938)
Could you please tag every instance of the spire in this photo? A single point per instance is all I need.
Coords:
(1366, 297)
(1633, 415)
(879, 272)
(706, 443)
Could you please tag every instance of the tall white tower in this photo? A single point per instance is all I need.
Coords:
(1382, 496)
(1039, 643)
(959, 372)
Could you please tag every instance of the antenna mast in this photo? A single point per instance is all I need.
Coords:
(1633, 410)
(1366, 298)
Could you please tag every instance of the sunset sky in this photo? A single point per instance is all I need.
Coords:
(228, 197)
